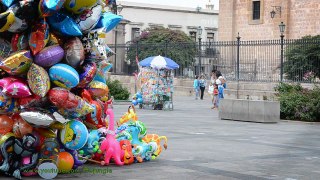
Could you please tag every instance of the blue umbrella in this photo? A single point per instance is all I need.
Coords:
(159, 62)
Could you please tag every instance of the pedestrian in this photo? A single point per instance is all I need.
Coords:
(210, 92)
(196, 86)
(223, 81)
(215, 96)
(203, 84)
(213, 76)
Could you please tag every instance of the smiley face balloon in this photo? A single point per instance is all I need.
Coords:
(78, 6)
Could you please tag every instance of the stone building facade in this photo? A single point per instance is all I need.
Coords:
(252, 19)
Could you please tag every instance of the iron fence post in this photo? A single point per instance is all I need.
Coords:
(238, 58)
(281, 63)
(199, 56)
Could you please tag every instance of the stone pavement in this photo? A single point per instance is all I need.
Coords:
(201, 146)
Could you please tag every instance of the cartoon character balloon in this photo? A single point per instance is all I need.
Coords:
(8, 104)
(88, 72)
(78, 6)
(17, 63)
(74, 135)
(39, 36)
(38, 80)
(88, 20)
(96, 117)
(6, 20)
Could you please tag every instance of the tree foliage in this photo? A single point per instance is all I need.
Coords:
(173, 44)
(303, 59)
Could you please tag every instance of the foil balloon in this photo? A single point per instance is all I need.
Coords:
(89, 19)
(19, 42)
(74, 135)
(97, 89)
(32, 101)
(6, 124)
(14, 87)
(78, 6)
(108, 21)
(38, 80)
(46, 132)
(17, 63)
(74, 52)
(88, 72)
(37, 118)
(64, 76)
(6, 20)
(49, 7)
(70, 105)
(55, 39)
(49, 56)
(39, 36)
(64, 25)
(20, 24)
(103, 68)
(5, 49)
(7, 3)
(96, 117)
(8, 104)
(20, 126)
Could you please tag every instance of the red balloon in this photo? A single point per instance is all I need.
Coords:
(39, 36)
(19, 42)
(20, 126)
(6, 124)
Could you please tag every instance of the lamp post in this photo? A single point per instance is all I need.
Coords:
(282, 27)
(117, 9)
(199, 32)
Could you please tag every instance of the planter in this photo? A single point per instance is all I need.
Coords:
(250, 110)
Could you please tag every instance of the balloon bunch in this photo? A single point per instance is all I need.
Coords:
(137, 99)
(53, 66)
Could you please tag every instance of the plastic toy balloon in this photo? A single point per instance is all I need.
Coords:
(65, 162)
(108, 21)
(17, 63)
(103, 68)
(7, 3)
(156, 138)
(19, 42)
(37, 118)
(55, 39)
(97, 89)
(14, 87)
(64, 24)
(69, 103)
(26, 161)
(88, 20)
(78, 6)
(49, 7)
(6, 124)
(126, 155)
(135, 102)
(140, 100)
(75, 135)
(39, 36)
(139, 95)
(8, 104)
(38, 80)
(49, 56)
(64, 76)
(89, 70)
(20, 126)
(6, 20)
(74, 52)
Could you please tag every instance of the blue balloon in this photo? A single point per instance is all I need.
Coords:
(64, 76)
(74, 135)
(64, 25)
(108, 21)
(139, 95)
(140, 100)
(135, 102)
(7, 3)
(48, 8)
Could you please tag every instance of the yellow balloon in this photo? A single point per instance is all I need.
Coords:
(6, 20)
(78, 6)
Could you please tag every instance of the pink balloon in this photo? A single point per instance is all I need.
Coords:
(14, 87)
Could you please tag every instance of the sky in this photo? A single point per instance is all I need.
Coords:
(182, 3)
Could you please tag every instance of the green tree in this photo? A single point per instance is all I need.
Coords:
(173, 44)
(303, 59)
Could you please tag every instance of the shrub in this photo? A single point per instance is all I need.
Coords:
(298, 103)
(117, 91)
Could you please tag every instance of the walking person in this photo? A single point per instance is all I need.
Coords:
(215, 96)
(203, 84)
(196, 86)
(210, 92)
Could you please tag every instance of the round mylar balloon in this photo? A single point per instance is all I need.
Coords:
(97, 89)
(108, 21)
(78, 6)
(37, 118)
(64, 25)
(38, 80)
(14, 87)
(20, 126)
(49, 7)
(19, 42)
(17, 63)
(8, 104)
(88, 20)
(49, 56)
(74, 135)
(74, 52)
(6, 20)
(89, 70)
(39, 36)
(6, 124)
(64, 76)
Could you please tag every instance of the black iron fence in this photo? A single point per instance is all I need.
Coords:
(264, 61)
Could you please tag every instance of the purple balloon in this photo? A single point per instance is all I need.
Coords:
(49, 56)
(87, 74)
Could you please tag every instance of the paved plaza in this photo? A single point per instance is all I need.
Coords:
(201, 146)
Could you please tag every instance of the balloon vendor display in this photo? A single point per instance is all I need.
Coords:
(54, 109)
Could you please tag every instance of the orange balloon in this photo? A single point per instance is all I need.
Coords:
(20, 126)
(65, 162)
(6, 124)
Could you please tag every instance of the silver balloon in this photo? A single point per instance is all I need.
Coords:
(74, 52)
(37, 118)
